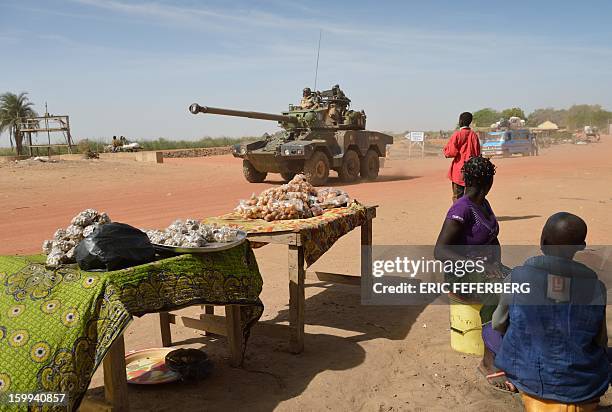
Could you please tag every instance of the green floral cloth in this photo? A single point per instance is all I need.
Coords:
(56, 326)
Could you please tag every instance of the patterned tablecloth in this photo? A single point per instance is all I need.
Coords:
(318, 233)
(56, 326)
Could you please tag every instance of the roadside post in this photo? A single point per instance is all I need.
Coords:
(416, 139)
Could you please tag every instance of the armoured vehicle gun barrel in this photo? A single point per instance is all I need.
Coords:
(196, 108)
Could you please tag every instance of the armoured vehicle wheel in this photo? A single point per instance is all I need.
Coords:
(251, 174)
(287, 176)
(349, 171)
(370, 165)
(316, 168)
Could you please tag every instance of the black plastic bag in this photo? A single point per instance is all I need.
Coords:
(114, 246)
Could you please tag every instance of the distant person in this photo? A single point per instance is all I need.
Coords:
(554, 347)
(337, 92)
(534, 144)
(462, 145)
(309, 100)
(116, 143)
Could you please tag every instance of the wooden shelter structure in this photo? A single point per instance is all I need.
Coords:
(547, 125)
(46, 124)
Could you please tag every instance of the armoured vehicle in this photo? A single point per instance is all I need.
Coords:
(327, 136)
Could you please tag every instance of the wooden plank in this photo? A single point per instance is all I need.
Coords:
(115, 379)
(210, 323)
(208, 310)
(275, 330)
(334, 278)
(49, 145)
(50, 117)
(42, 129)
(284, 238)
(296, 298)
(366, 259)
(235, 338)
(164, 328)
(95, 405)
(371, 212)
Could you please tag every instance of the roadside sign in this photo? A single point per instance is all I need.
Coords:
(417, 136)
(416, 139)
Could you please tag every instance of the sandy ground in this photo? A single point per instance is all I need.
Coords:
(356, 357)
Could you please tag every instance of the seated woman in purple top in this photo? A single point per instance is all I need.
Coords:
(470, 232)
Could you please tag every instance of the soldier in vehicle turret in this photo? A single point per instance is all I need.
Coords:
(339, 104)
(309, 99)
(337, 92)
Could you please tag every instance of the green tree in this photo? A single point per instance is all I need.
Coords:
(485, 117)
(539, 116)
(582, 115)
(513, 112)
(12, 108)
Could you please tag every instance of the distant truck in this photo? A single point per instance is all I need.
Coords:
(588, 134)
(506, 143)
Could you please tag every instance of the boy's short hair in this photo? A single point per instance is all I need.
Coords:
(465, 119)
(564, 233)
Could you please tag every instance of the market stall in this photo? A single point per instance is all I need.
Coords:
(56, 326)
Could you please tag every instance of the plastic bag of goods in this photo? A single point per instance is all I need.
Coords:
(114, 246)
(330, 197)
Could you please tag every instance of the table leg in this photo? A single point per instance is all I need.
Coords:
(208, 310)
(296, 298)
(235, 338)
(366, 259)
(164, 326)
(115, 379)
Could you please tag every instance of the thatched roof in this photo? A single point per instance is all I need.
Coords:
(547, 125)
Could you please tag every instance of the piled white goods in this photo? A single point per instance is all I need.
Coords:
(516, 122)
(60, 249)
(191, 233)
(295, 200)
(512, 123)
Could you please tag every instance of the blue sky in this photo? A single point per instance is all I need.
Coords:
(133, 67)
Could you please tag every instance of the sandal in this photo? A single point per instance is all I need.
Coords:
(498, 381)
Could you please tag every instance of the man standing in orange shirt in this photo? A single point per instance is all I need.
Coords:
(462, 145)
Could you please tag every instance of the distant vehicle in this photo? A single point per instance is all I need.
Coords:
(129, 147)
(509, 142)
(588, 134)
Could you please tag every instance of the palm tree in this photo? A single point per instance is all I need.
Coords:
(14, 107)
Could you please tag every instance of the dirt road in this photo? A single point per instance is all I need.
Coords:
(356, 357)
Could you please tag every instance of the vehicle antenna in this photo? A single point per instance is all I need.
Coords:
(317, 66)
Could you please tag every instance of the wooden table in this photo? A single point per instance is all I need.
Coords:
(297, 275)
(115, 381)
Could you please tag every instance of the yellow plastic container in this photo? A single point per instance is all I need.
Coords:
(466, 327)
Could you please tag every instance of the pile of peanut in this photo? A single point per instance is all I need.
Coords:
(297, 199)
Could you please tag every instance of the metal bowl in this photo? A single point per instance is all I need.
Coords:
(208, 248)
